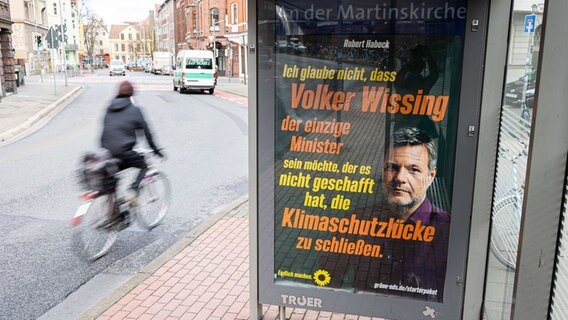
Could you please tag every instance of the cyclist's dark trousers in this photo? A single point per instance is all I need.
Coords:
(132, 159)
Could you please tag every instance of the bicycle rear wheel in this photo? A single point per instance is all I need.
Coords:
(93, 236)
(505, 232)
(154, 196)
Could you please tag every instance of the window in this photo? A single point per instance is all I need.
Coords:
(28, 15)
(55, 8)
(138, 36)
(215, 18)
(235, 13)
(122, 47)
(116, 47)
(513, 148)
(199, 63)
(43, 15)
(100, 42)
(122, 36)
(130, 36)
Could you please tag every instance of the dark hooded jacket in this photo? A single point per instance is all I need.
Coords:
(121, 122)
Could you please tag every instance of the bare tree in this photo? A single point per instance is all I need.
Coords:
(91, 23)
(148, 38)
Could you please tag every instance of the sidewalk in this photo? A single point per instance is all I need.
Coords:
(232, 85)
(35, 101)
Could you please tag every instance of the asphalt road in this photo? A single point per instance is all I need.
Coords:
(205, 140)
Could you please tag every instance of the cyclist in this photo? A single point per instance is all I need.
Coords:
(122, 122)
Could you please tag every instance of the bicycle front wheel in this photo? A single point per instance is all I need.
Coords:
(505, 232)
(93, 235)
(154, 196)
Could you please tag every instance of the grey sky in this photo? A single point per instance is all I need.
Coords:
(118, 11)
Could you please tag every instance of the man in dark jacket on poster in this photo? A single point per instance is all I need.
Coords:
(121, 123)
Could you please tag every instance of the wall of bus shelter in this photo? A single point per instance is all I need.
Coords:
(517, 218)
(524, 219)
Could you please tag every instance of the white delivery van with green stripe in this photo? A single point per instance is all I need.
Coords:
(195, 70)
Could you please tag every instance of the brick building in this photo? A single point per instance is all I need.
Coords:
(219, 24)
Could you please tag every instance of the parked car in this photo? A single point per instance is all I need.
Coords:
(148, 67)
(117, 67)
(296, 46)
(514, 90)
(280, 46)
(167, 70)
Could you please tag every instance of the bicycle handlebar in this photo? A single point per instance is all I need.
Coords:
(145, 152)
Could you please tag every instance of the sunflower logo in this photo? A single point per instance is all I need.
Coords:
(322, 278)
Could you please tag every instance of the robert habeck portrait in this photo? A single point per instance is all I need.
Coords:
(409, 268)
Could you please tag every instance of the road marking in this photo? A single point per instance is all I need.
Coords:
(231, 97)
(152, 83)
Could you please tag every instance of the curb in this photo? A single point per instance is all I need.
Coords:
(153, 266)
(31, 121)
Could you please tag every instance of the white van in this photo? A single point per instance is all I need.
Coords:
(195, 69)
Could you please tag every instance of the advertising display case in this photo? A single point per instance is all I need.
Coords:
(360, 123)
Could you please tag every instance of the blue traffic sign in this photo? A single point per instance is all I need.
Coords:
(530, 21)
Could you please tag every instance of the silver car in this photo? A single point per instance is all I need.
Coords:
(117, 67)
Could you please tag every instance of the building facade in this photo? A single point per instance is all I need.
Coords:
(29, 31)
(126, 43)
(219, 25)
(165, 27)
(180, 17)
(7, 75)
(237, 36)
(206, 25)
(64, 14)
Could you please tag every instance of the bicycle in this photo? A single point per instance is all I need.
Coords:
(507, 209)
(506, 229)
(93, 231)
